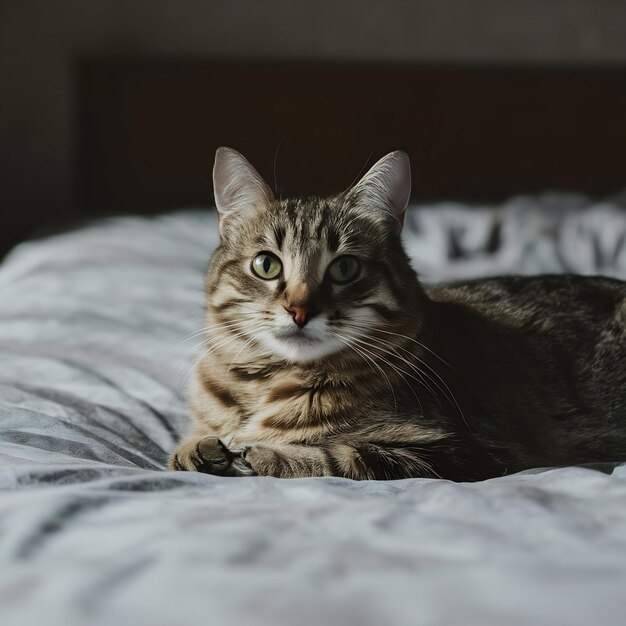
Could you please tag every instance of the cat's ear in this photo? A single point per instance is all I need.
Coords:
(386, 188)
(237, 186)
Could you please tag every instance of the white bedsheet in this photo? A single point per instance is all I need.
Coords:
(93, 531)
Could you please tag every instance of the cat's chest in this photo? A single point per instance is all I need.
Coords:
(291, 407)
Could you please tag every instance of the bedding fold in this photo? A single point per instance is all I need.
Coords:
(98, 333)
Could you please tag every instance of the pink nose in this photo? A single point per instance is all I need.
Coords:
(300, 314)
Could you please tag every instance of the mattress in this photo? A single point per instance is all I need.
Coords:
(96, 344)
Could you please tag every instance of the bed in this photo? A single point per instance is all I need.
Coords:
(95, 347)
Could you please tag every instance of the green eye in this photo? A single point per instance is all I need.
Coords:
(344, 269)
(266, 266)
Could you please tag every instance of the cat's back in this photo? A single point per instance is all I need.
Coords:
(546, 359)
(520, 321)
(547, 299)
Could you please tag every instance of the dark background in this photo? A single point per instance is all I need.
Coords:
(112, 107)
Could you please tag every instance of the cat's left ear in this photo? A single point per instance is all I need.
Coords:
(237, 186)
(386, 188)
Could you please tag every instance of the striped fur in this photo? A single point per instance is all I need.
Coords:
(386, 380)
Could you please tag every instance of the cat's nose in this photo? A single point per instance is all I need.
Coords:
(300, 314)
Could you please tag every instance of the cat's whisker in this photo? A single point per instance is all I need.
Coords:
(250, 309)
(401, 373)
(183, 359)
(245, 345)
(435, 373)
(211, 327)
(230, 337)
(395, 401)
(421, 345)
(369, 361)
(397, 370)
(398, 356)
(447, 392)
(206, 338)
(395, 347)
(361, 170)
(280, 192)
(172, 350)
(184, 375)
(206, 327)
(349, 345)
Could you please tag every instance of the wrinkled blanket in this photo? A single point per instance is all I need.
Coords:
(96, 342)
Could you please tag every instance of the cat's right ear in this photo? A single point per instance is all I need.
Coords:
(237, 186)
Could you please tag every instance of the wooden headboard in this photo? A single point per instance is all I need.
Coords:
(147, 130)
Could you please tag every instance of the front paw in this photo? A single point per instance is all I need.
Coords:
(208, 455)
(264, 461)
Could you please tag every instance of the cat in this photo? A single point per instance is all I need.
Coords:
(327, 357)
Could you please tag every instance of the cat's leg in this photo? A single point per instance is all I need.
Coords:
(211, 456)
(359, 461)
(286, 460)
(213, 411)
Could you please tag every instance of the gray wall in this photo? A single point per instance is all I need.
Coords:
(39, 39)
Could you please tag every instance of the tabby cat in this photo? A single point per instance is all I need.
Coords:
(327, 357)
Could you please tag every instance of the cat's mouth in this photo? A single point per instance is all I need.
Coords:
(301, 344)
(296, 335)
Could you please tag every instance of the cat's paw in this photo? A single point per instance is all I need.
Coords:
(263, 461)
(208, 455)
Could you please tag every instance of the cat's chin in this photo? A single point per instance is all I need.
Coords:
(301, 347)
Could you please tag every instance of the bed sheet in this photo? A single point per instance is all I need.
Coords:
(94, 355)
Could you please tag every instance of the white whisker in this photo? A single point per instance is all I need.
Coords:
(447, 392)
(358, 350)
(229, 338)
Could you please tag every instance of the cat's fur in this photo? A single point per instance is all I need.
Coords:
(388, 379)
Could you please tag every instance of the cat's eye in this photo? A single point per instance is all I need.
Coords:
(267, 266)
(344, 269)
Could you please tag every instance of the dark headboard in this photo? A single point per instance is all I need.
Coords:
(148, 129)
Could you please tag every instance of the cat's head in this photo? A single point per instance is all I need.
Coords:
(306, 279)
